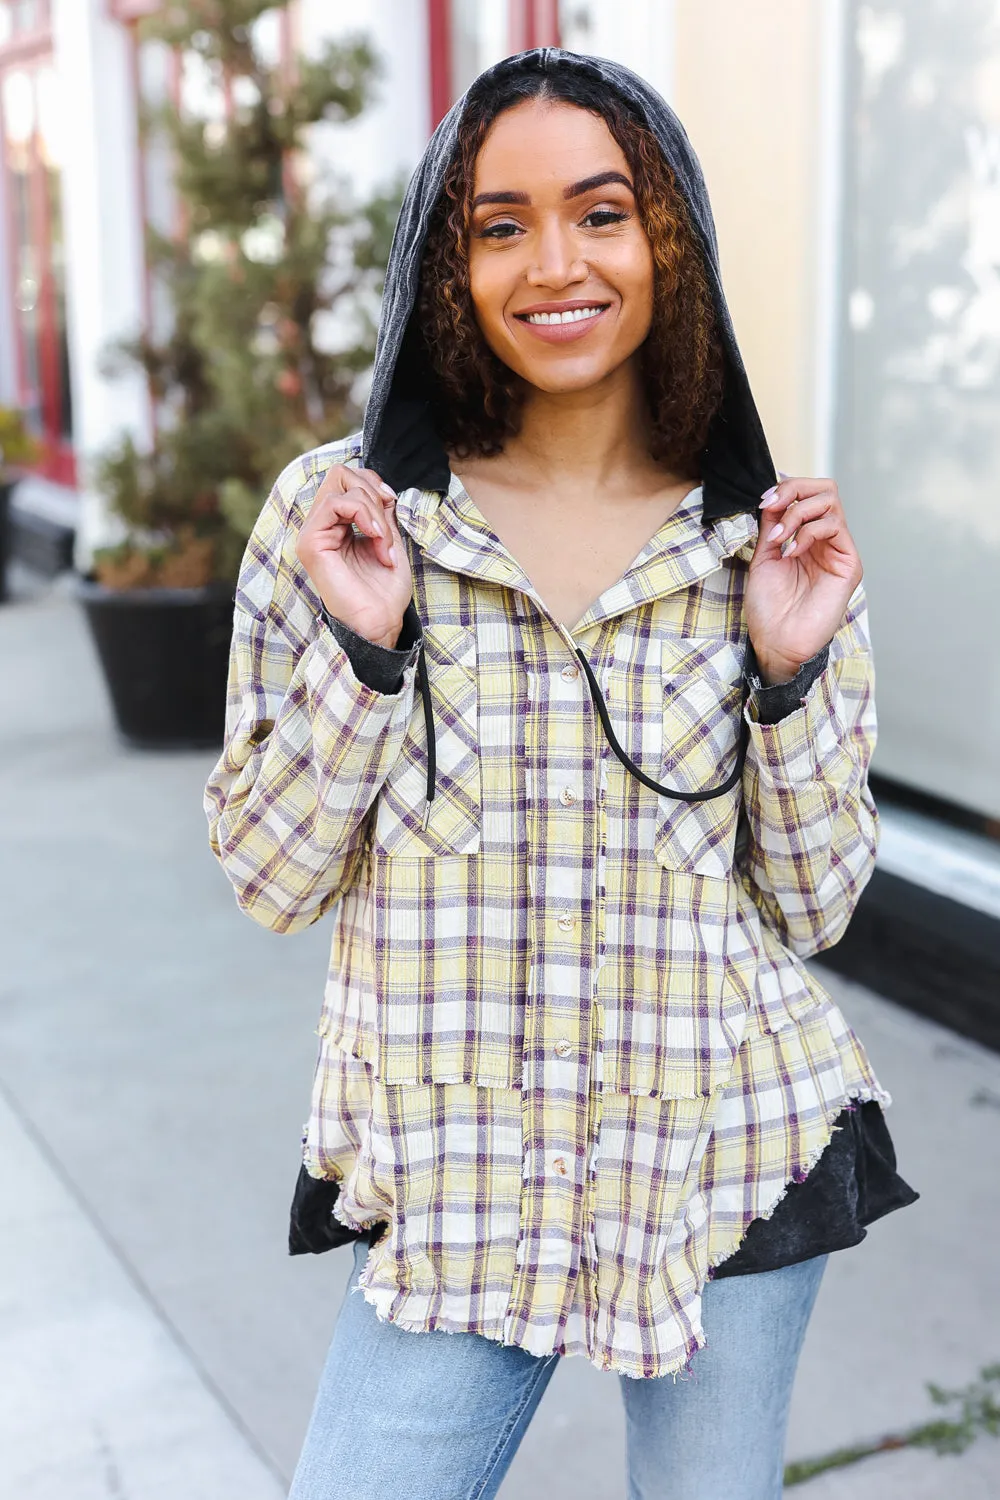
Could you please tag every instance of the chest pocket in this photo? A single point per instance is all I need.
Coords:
(701, 678)
(455, 816)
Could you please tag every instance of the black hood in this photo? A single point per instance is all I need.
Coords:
(399, 440)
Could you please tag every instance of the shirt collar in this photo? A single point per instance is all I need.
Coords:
(451, 531)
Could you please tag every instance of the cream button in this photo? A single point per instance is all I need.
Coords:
(570, 672)
(562, 1048)
(566, 922)
(567, 796)
(559, 1165)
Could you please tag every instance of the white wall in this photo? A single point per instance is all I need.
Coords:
(754, 110)
(387, 139)
(637, 33)
(104, 258)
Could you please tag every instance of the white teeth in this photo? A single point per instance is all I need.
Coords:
(572, 315)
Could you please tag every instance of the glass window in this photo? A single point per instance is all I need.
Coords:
(918, 431)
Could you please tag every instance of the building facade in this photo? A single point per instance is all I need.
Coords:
(852, 152)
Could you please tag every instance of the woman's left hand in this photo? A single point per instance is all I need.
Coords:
(794, 603)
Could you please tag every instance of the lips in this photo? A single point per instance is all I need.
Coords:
(559, 322)
(565, 305)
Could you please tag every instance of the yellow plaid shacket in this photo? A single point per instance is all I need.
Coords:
(568, 1048)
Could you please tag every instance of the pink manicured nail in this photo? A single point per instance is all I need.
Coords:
(768, 495)
(392, 555)
(775, 531)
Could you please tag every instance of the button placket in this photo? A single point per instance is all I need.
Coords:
(555, 1084)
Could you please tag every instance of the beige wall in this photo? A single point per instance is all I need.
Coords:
(747, 86)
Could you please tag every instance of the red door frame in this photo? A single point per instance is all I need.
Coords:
(439, 55)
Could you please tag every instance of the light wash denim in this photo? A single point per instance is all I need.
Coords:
(401, 1415)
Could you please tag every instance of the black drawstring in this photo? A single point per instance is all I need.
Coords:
(425, 693)
(630, 765)
(602, 710)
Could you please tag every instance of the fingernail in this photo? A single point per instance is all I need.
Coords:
(769, 494)
(774, 532)
(788, 547)
(392, 555)
(390, 494)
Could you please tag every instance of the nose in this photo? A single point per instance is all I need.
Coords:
(555, 264)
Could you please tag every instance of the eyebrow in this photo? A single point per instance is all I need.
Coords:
(575, 190)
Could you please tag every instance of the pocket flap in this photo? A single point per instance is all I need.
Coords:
(455, 814)
(702, 681)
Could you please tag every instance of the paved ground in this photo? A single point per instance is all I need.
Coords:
(155, 1057)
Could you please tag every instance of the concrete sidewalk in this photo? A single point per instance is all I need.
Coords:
(156, 1051)
(101, 1397)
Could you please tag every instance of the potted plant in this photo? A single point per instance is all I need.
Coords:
(17, 447)
(273, 290)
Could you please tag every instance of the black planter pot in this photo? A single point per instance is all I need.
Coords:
(165, 656)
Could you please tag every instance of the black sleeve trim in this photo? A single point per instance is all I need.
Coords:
(777, 701)
(379, 667)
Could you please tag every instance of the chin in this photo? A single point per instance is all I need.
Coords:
(563, 377)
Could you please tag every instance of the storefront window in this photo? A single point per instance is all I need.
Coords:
(918, 431)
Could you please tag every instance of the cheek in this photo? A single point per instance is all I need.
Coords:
(489, 294)
(637, 273)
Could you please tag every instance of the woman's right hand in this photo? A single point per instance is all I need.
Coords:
(363, 580)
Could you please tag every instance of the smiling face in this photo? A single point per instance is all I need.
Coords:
(560, 266)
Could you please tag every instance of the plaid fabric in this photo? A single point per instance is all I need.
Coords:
(569, 1049)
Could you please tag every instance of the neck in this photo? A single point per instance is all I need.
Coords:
(578, 439)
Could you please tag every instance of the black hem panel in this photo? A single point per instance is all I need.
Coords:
(853, 1184)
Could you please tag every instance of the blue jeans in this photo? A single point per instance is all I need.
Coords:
(439, 1416)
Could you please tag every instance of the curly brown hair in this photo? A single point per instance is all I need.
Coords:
(475, 398)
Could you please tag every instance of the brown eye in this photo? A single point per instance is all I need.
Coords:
(600, 218)
(497, 231)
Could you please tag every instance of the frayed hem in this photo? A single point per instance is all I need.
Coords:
(376, 1298)
(348, 1220)
(681, 1370)
(412, 1325)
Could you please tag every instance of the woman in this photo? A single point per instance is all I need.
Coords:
(575, 748)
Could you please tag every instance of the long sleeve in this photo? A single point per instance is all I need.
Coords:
(307, 745)
(812, 825)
